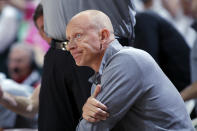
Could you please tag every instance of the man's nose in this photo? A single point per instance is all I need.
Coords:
(70, 47)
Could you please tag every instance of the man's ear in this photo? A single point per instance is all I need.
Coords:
(104, 35)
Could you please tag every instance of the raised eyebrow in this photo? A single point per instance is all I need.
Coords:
(73, 35)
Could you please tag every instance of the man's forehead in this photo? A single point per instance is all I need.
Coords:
(19, 53)
(76, 26)
(78, 19)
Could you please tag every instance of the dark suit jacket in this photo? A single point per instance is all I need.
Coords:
(166, 45)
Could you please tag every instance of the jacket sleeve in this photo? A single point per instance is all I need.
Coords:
(120, 82)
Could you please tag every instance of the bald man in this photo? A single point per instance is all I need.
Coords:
(136, 92)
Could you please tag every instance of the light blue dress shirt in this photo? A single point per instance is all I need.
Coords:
(137, 93)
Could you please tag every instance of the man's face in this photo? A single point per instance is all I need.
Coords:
(40, 25)
(2, 4)
(84, 42)
(194, 8)
(19, 64)
(186, 5)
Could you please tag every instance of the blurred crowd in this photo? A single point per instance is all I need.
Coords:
(17, 26)
(21, 57)
(163, 29)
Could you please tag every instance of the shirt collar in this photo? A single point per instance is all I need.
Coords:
(114, 46)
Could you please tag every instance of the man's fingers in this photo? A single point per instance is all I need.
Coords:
(90, 107)
(93, 116)
(100, 114)
(94, 102)
(94, 110)
(97, 111)
(96, 91)
(91, 111)
(90, 119)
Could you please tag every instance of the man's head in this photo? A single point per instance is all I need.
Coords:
(89, 34)
(39, 22)
(186, 6)
(147, 3)
(2, 4)
(194, 8)
(20, 61)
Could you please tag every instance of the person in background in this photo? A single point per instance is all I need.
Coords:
(21, 65)
(191, 91)
(25, 77)
(27, 31)
(26, 106)
(8, 34)
(165, 44)
(147, 4)
(38, 19)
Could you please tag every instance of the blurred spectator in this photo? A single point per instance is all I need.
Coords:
(29, 33)
(7, 117)
(22, 105)
(186, 6)
(21, 65)
(172, 6)
(22, 70)
(185, 20)
(177, 13)
(38, 19)
(154, 5)
(21, 12)
(147, 4)
(166, 45)
(180, 16)
(191, 91)
(9, 23)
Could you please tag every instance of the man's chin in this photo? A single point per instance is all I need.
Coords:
(78, 63)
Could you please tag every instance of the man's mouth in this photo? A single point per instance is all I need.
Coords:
(76, 55)
(16, 70)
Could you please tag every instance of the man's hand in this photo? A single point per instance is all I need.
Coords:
(93, 110)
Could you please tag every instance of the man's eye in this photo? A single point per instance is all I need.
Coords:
(78, 36)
